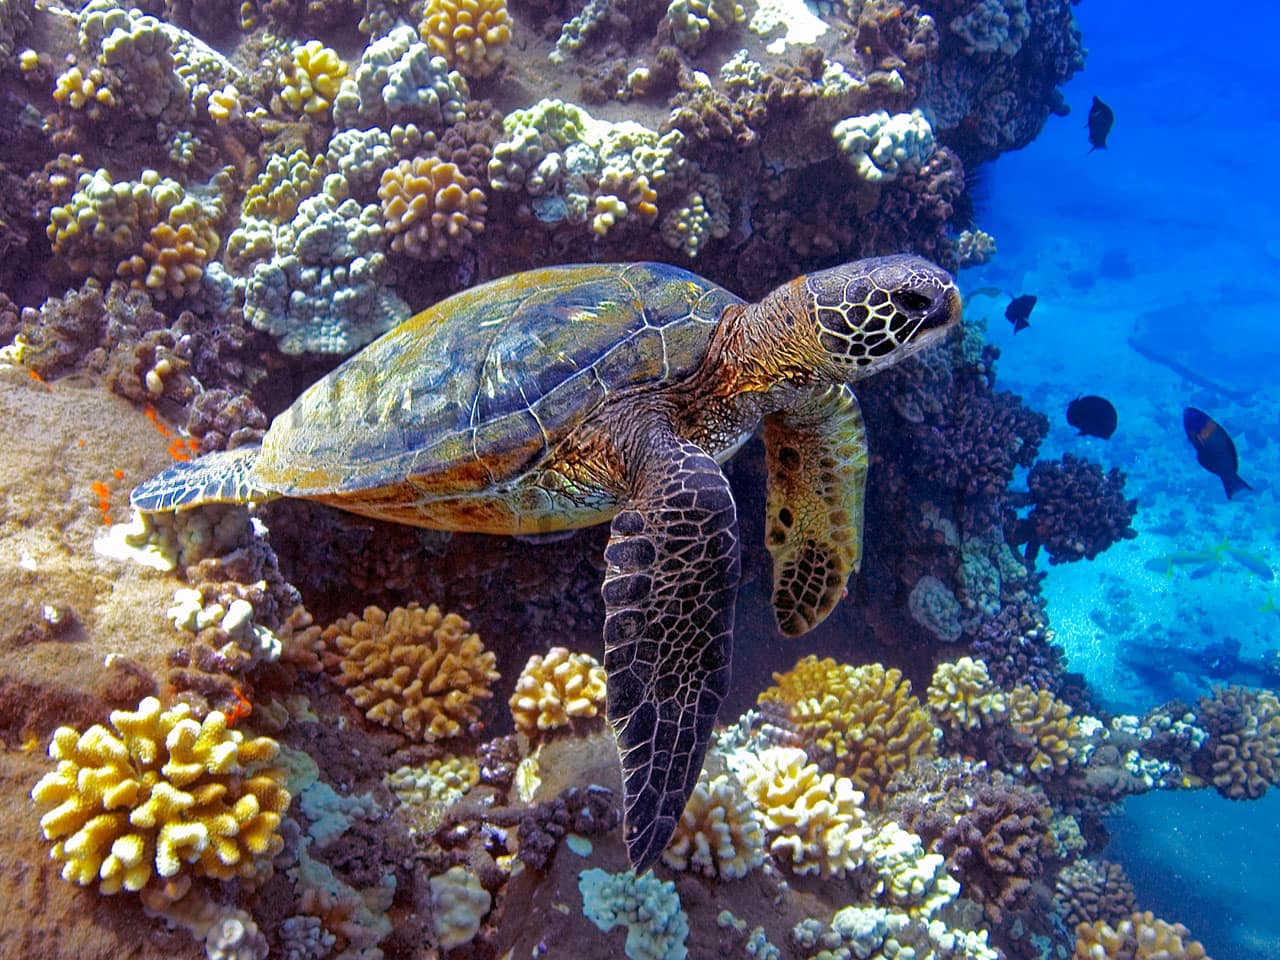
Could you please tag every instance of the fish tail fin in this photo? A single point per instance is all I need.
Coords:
(219, 477)
(1233, 485)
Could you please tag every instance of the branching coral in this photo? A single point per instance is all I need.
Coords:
(1242, 755)
(879, 145)
(430, 207)
(470, 34)
(1046, 729)
(309, 80)
(1088, 892)
(719, 834)
(417, 670)
(150, 231)
(813, 819)
(860, 722)
(399, 80)
(1078, 510)
(962, 697)
(161, 792)
(1141, 937)
(554, 690)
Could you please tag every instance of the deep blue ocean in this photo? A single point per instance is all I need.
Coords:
(1168, 240)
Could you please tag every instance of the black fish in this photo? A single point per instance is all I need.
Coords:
(1092, 416)
(1214, 449)
(1101, 117)
(1019, 310)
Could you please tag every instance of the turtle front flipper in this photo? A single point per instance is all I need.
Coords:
(817, 455)
(669, 591)
(219, 477)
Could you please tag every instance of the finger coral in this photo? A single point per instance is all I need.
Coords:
(1242, 755)
(429, 207)
(159, 793)
(469, 34)
(310, 79)
(1141, 937)
(149, 231)
(718, 834)
(1046, 726)
(961, 695)
(554, 690)
(417, 670)
(859, 722)
(813, 819)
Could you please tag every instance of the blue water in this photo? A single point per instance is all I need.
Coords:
(1176, 220)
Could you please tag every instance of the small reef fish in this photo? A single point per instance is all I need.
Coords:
(1210, 559)
(1215, 450)
(1093, 416)
(1101, 119)
(1018, 312)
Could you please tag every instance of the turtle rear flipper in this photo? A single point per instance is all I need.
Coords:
(219, 477)
(816, 450)
(669, 590)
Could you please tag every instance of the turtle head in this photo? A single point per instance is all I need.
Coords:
(869, 314)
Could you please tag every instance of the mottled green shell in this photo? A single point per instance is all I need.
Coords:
(478, 388)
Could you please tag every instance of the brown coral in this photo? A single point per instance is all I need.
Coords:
(860, 722)
(1088, 892)
(417, 670)
(1046, 727)
(1242, 755)
(469, 34)
(430, 207)
(1141, 937)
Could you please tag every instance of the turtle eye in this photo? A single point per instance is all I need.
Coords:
(912, 301)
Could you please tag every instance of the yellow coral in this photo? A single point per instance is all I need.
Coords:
(310, 80)
(149, 231)
(814, 818)
(860, 722)
(429, 791)
(1141, 937)
(417, 670)
(962, 695)
(718, 834)
(469, 34)
(163, 791)
(224, 105)
(429, 206)
(286, 181)
(621, 196)
(80, 91)
(1047, 725)
(554, 690)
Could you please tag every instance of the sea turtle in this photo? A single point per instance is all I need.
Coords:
(571, 395)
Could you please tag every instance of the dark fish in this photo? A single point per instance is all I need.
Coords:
(1101, 117)
(1018, 311)
(1214, 449)
(1092, 416)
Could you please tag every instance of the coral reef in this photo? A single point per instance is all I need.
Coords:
(417, 670)
(430, 207)
(1077, 511)
(859, 722)
(719, 834)
(1241, 756)
(1140, 937)
(469, 34)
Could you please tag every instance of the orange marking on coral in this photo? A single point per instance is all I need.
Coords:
(154, 417)
(241, 710)
(38, 379)
(80, 442)
(118, 474)
(103, 493)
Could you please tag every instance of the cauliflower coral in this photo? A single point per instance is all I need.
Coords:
(161, 792)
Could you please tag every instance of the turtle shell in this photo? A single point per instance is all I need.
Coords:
(478, 388)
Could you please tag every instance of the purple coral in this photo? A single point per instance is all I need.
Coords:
(1078, 511)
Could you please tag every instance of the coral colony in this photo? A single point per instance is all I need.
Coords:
(266, 738)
